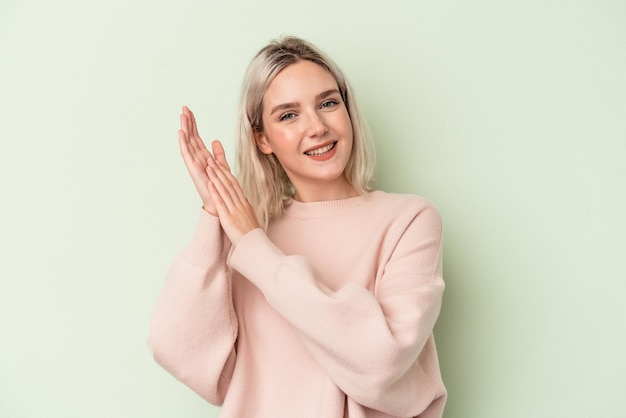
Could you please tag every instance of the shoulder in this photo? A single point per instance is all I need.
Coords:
(410, 225)
(397, 214)
(404, 205)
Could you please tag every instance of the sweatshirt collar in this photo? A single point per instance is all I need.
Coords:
(325, 208)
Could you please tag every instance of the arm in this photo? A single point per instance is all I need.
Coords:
(193, 326)
(377, 347)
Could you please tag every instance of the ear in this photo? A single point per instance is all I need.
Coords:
(262, 143)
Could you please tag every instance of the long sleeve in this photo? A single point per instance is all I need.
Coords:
(375, 344)
(193, 327)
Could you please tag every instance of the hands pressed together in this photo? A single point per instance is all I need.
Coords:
(219, 190)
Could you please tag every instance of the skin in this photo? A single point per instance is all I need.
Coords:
(303, 111)
(219, 190)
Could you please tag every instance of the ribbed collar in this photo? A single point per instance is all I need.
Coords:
(311, 210)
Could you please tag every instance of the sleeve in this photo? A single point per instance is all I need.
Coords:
(377, 347)
(193, 327)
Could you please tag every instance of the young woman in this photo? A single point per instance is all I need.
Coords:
(303, 292)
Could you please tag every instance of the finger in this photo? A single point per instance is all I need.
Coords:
(220, 206)
(222, 175)
(227, 177)
(230, 190)
(194, 142)
(219, 154)
(192, 119)
(223, 172)
(230, 182)
(223, 188)
(186, 149)
(185, 127)
(184, 146)
(184, 123)
(189, 150)
(194, 165)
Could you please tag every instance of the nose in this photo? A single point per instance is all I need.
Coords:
(316, 125)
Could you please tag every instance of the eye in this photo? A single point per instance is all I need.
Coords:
(329, 103)
(287, 116)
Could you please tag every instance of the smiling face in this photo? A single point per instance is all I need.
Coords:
(307, 127)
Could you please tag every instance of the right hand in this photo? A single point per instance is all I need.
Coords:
(196, 157)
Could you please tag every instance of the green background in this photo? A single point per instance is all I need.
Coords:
(509, 116)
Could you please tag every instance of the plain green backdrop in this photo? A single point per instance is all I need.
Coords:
(508, 115)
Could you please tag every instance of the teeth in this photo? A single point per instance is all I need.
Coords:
(320, 151)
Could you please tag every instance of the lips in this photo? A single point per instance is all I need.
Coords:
(316, 152)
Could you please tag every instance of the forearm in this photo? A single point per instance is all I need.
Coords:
(368, 343)
(193, 328)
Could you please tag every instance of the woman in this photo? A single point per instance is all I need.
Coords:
(303, 293)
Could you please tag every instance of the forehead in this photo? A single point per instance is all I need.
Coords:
(299, 82)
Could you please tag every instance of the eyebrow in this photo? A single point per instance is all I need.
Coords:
(290, 105)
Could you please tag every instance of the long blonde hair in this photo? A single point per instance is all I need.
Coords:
(262, 177)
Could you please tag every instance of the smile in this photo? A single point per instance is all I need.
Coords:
(321, 151)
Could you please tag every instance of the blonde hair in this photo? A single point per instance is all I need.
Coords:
(262, 177)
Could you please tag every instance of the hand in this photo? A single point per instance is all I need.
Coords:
(196, 157)
(237, 216)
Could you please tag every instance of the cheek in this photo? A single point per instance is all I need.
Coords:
(346, 121)
(283, 137)
(348, 128)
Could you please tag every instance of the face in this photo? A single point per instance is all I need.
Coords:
(307, 127)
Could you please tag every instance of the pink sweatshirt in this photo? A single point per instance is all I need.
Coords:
(328, 314)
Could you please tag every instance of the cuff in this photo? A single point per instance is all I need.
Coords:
(208, 242)
(256, 257)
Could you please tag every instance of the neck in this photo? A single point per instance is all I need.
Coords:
(323, 192)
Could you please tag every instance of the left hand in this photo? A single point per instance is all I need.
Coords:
(237, 216)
